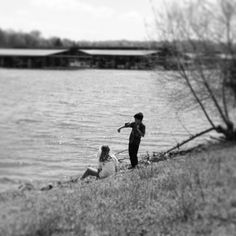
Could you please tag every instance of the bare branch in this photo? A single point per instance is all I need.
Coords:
(213, 96)
(196, 97)
(188, 140)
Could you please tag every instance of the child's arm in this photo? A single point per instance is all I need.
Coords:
(99, 167)
(141, 133)
(116, 162)
(127, 125)
(122, 127)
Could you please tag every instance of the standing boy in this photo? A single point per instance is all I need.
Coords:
(138, 131)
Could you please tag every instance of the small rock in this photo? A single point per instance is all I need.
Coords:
(46, 188)
(26, 186)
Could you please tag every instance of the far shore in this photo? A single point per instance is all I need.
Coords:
(189, 194)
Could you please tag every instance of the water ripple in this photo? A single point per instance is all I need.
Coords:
(52, 123)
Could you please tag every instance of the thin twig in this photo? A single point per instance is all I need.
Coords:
(188, 140)
(185, 76)
(121, 152)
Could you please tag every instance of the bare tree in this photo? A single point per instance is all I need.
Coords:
(203, 33)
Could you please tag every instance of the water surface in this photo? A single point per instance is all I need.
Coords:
(53, 122)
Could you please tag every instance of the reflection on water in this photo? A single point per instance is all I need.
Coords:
(53, 122)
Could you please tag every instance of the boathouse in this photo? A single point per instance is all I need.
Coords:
(78, 58)
(119, 58)
(32, 58)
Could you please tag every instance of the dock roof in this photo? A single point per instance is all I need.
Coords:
(29, 52)
(117, 52)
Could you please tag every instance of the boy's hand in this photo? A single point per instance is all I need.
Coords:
(119, 130)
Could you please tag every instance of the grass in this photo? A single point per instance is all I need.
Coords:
(189, 195)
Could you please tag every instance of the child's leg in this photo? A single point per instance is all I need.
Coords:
(90, 171)
(133, 151)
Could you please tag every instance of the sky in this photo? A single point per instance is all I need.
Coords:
(80, 19)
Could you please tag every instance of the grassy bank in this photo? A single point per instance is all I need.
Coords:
(188, 195)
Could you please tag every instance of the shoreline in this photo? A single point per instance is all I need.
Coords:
(183, 195)
(156, 156)
(144, 159)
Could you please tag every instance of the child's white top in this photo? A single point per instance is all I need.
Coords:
(108, 167)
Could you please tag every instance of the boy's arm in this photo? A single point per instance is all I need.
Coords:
(141, 132)
(127, 125)
(122, 127)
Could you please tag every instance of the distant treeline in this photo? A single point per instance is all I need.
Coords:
(34, 39)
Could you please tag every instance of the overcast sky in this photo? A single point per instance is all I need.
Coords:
(79, 19)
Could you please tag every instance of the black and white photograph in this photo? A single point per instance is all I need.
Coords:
(117, 117)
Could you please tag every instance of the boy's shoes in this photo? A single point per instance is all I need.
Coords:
(132, 167)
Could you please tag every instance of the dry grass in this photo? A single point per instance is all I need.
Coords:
(190, 195)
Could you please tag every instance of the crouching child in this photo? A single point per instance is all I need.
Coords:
(107, 164)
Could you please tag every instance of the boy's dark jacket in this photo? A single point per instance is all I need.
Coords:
(135, 137)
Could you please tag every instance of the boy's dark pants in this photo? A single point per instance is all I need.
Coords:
(133, 151)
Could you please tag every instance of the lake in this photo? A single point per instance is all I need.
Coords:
(53, 121)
